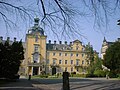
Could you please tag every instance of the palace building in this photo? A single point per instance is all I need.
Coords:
(52, 58)
(42, 57)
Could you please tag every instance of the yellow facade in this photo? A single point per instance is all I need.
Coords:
(72, 60)
(42, 57)
(35, 53)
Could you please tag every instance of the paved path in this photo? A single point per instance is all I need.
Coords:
(21, 84)
(79, 84)
(56, 84)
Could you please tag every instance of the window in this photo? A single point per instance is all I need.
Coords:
(65, 61)
(36, 48)
(82, 49)
(71, 61)
(76, 48)
(54, 61)
(82, 62)
(60, 54)
(36, 38)
(71, 54)
(77, 69)
(35, 58)
(71, 69)
(83, 70)
(65, 54)
(88, 62)
(77, 55)
(53, 54)
(82, 55)
(66, 69)
(77, 61)
(60, 61)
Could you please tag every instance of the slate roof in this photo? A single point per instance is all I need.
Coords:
(57, 47)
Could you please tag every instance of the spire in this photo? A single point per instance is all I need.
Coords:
(36, 20)
(104, 40)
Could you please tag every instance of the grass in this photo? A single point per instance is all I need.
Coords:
(46, 76)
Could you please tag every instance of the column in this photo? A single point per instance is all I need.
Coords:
(32, 71)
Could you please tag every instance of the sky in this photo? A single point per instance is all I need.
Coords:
(91, 33)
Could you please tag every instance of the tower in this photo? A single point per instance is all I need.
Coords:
(104, 47)
(35, 49)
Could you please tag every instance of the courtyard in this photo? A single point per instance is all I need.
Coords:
(56, 84)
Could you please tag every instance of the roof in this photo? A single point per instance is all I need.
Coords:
(77, 41)
(58, 47)
(36, 28)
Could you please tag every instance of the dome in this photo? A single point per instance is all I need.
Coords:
(36, 27)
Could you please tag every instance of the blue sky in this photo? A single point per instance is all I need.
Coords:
(92, 33)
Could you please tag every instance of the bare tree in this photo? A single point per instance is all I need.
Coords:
(60, 16)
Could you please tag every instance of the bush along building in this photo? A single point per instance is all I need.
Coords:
(52, 58)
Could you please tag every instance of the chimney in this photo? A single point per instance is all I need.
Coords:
(118, 39)
(1, 39)
(8, 38)
(60, 42)
(54, 42)
(14, 39)
(70, 43)
(49, 41)
(66, 42)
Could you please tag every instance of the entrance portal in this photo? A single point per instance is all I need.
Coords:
(53, 70)
(35, 70)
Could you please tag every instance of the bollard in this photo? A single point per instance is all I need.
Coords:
(66, 81)
(29, 77)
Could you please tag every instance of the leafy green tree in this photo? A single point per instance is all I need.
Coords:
(94, 66)
(90, 52)
(112, 59)
(99, 73)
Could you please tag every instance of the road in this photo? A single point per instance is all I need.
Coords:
(78, 84)
(56, 84)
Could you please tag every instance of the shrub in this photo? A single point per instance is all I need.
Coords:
(78, 75)
(90, 75)
(99, 73)
(41, 76)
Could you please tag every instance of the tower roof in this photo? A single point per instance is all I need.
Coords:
(36, 21)
(36, 28)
